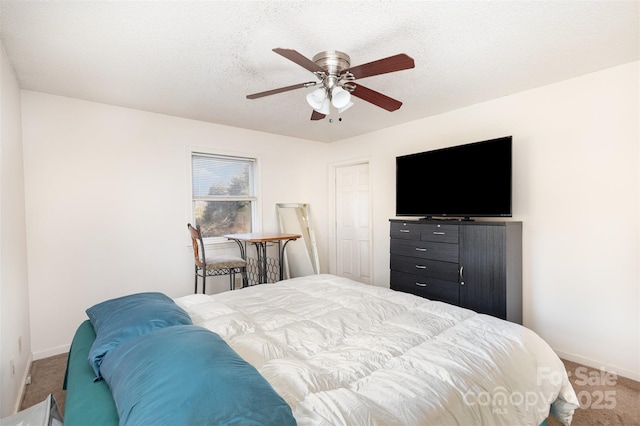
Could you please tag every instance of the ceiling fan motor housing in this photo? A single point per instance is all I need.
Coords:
(332, 61)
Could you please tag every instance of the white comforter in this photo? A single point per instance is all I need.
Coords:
(344, 353)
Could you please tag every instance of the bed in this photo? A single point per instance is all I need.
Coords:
(317, 350)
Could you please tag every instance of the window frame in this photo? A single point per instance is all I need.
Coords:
(255, 199)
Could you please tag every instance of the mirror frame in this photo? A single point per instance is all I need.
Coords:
(303, 212)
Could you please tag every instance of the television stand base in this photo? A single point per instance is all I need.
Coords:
(458, 219)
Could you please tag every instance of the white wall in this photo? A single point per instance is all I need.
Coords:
(108, 202)
(14, 293)
(577, 192)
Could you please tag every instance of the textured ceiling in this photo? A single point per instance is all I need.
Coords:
(199, 59)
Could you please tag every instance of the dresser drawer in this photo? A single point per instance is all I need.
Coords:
(425, 250)
(439, 233)
(429, 288)
(406, 230)
(425, 267)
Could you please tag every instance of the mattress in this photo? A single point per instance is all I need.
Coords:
(344, 353)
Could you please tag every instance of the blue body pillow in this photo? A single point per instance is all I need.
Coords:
(188, 375)
(119, 320)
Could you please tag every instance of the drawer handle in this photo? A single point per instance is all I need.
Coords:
(421, 267)
(438, 233)
(405, 230)
(421, 284)
(421, 249)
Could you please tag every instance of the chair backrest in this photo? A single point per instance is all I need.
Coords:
(196, 236)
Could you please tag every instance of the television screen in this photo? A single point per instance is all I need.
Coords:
(472, 180)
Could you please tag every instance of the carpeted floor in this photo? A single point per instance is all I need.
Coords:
(606, 399)
(47, 376)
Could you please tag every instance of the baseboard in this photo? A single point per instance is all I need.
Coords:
(51, 352)
(629, 374)
(23, 388)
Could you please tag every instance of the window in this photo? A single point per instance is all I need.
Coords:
(223, 194)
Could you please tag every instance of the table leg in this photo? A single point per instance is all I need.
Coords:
(243, 254)
(261, 251)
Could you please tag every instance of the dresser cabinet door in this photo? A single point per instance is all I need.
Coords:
(483, 262)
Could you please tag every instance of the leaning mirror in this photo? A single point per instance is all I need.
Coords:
(301, 256)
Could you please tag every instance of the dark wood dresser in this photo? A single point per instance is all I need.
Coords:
(472, 264)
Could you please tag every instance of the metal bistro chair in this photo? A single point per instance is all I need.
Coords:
(215, 265)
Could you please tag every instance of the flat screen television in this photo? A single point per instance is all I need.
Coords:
(465, 181)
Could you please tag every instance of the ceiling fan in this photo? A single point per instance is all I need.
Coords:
(337, 77)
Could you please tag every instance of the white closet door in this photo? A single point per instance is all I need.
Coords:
(353, 223)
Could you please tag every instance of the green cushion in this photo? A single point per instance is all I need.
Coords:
(87, 402)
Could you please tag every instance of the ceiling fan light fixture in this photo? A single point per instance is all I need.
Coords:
(316, 98)
(340, 98)
(326, 107)
(346, 107)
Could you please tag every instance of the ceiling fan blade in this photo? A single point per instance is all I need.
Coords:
(315, 115)
(382, 66)
(375, 98)
(299, 59)
(282, 89)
